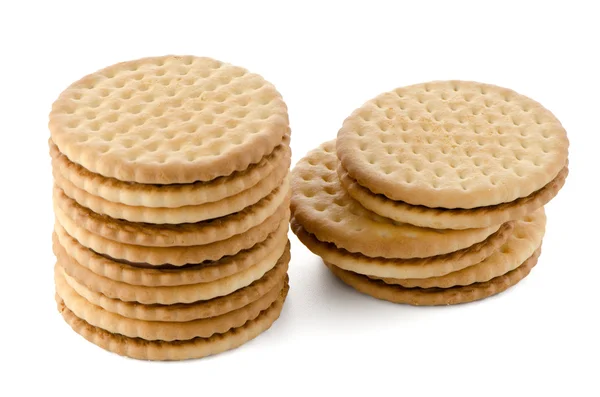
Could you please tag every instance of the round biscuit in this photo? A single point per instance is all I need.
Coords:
(322, 206)
(452, 144)
(168, 119)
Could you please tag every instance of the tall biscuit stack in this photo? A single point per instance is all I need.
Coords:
(432, 194)
(171, 199)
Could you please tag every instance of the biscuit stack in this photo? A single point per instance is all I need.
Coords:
(432, 194)
(171, 199)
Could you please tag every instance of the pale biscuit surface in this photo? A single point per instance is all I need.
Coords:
(442, 218)
(173, 195)
(452, 144)
(169, 119)
(322, 206)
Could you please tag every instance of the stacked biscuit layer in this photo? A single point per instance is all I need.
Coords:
(171, 198)
(432, 194)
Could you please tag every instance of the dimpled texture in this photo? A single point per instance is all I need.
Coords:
(177, 350)
(452, 144)
(434, 296)
(174, 195)
(168, 295)
(442, 218)
(522, 244)
(271, 209)
(322, 207)
(68, 250)
(158, 330)
(168, 119)
(404, 268)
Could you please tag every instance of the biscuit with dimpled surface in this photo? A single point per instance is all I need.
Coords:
(168, 119)
(452, 144)
(322, 206)
(173, 195)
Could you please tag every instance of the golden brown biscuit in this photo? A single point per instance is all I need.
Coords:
(323, 207)
(168, 119)
(452, 144)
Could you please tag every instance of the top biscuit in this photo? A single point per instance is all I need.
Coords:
(170, 119)
(452, 144)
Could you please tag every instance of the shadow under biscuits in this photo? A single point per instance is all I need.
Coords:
(342, 305)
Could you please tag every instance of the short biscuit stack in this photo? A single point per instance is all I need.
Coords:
(171, 200)
(433, 194)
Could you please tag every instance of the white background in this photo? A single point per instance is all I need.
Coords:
(326, 58)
